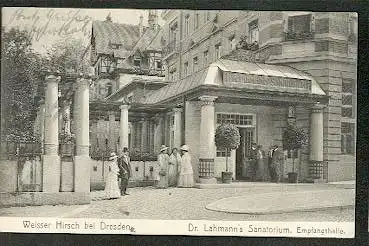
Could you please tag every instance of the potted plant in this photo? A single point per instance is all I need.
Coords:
(227, 136)
(293, 140)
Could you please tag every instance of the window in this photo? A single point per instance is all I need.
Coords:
(197, 19)
(109, 88)
(206, 55)
(246, 121)
(172, 37)
(236, 119)
(347, 138)
(137, 62)
(347, 98)
(232, 41)
(195, 64)
(115, 46)
(158, 65)
(187, 24)
(299, 24)
(218, 50)
(185, 69)
(253, 31)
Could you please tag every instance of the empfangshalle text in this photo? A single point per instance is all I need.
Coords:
(168, 227)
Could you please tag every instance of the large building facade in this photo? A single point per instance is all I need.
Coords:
(208, 57)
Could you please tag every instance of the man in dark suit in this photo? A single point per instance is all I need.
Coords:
(253, 156)
(124, 171)
(276, 165)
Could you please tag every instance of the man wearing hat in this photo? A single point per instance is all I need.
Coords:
(253, 156)
(125, 171)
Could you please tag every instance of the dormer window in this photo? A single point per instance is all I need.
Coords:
(158, 65)
(109, 88)
(115, 46)
(137, 62)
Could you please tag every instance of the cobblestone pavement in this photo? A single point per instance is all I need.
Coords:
(176, 204)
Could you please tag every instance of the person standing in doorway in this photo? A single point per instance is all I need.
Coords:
(261, 170)
(125, 171)
(277, 164)
(253, 156)
(185, 178)
(174, 161)
(163, 160)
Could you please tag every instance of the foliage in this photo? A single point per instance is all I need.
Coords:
(137, 155)
(21, 73)
(293, 138)
(227, 136)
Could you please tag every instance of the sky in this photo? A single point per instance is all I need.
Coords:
(50, 25)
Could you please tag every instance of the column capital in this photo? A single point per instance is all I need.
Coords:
(317, 108)
(207, 100)
(177, 109)
(52, 78)
(124, 107)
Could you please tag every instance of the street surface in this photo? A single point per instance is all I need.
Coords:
(178, 204)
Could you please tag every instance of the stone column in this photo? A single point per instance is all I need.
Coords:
(112, 141)
(177, 127)
(316, 141)
(51, 159)
(207, 140)
(124, 127)
(42, 122)
(66, 117)
(158, 133)
(144, 135)
(82, 158)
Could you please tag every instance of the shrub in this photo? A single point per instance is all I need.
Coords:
(227, 136)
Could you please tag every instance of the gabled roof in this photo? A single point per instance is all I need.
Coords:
(106, 32)
(146, 41)
(262, 78)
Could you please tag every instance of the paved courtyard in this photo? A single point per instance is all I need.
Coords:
(181, 204)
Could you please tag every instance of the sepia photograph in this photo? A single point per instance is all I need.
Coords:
(176, 121)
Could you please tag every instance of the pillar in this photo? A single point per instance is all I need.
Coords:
(177, 127)
(207, 140)
(158, 133)
(51, 159)
(144, 135)
(82, 158)
(316, 142)
(112, 141)
(42, 122)
(66, 116)
(124, 127)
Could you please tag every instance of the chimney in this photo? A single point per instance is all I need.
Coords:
(153, 18)
(141, 25)
(108, 18)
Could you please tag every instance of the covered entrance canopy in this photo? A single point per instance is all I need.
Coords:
(241, 82)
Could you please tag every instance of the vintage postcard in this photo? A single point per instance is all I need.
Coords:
(178, 122)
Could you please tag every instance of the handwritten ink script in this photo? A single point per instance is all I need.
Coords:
(41, 23)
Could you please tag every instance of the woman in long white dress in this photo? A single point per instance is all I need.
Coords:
(174, 161)
(185, 178)
(111, 186)
(163, 160)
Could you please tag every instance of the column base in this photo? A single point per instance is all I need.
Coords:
(82, 167)
(210, 180)
(50, 173)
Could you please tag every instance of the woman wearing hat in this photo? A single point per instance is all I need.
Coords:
(111, 185)
(185, 172)
(174, 161)
(163, 160)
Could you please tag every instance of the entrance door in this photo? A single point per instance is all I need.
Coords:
(247, 137)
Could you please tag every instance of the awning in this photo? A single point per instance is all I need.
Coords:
(244, 76)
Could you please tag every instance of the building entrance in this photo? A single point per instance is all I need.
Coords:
(242, 153)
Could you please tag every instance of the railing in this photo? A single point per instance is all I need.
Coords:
(292, 36)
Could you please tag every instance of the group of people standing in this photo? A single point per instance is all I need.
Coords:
(264, 168)
(174, 169)
(119, 167)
